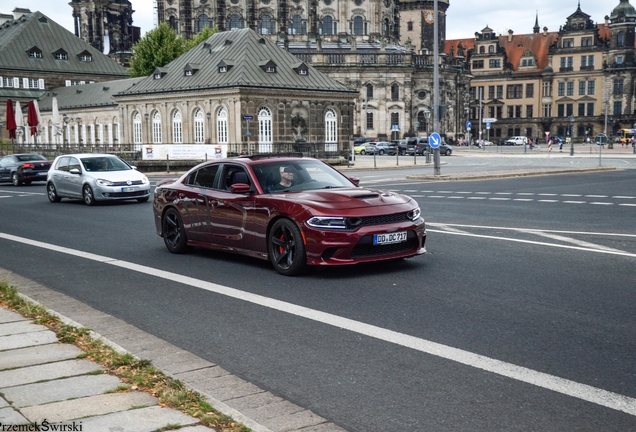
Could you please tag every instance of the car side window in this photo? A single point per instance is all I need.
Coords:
(203, 177)
(74, 163)
(62, 164)
(233, 174)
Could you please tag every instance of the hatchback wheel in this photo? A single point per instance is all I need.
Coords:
(174, 235)
(362, 152)
(15, 179)
(51, 192)
(87, 195)
(381, 152)
(286, 248)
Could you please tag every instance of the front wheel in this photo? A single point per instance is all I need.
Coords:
(174, 234)
(87, 195)
(286, 248)
(51, 192)
(381, 152)
(15, 179)
(362, 152)
(448, 152)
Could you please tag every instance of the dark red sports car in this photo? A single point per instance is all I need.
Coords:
(294, 211)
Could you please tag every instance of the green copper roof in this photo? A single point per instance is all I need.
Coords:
(237, 58)
(36, 31)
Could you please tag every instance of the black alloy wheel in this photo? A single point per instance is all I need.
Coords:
(51, 192)
(87, 195)
(174, 235)
(286, 248)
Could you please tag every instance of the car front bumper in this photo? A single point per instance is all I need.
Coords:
(106, 193)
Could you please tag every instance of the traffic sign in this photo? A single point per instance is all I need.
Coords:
(468, 125)
(489, 120)
(488, 125)
(248, 117)
(395, 127)
(434, 140)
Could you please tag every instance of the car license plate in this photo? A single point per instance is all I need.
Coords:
(389, 238)
(129, 189)
(42, 173)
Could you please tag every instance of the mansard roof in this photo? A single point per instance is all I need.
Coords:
(246, 51)
(86, 95)
(17, 37)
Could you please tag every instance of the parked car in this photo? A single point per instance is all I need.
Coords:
(94, 177)
(292, 211)
(24, 168)
(361, 148)
(380, 148)
(362, 140)
(517, 140)
(416, 145)
(400, 145)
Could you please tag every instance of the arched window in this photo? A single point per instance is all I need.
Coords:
(200, 24)
(136, 129)
(421, 120)
(174, 25)
(297, 26)
(395, 92)
(236, 22)
(266, 25)
(264, 130)
(385, 27)
(482, 50)
(156, 128)
(177, 134)
(199, 131)
(327, 25)
(331, 130)
(369, 91)
(221, 126)
(620, 40)
(358, 25)
(491, 49)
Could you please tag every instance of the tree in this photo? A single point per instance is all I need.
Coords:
(160, 46)
(157, 48)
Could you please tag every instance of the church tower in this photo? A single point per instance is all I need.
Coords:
(417, 23)
(106, 25)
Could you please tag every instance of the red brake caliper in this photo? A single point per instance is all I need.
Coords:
(280, 248)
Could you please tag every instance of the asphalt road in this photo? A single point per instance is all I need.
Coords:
(522, 316)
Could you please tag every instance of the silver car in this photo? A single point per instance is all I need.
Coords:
(95, 177)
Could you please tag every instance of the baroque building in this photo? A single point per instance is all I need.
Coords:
(382, 49)
(107, 26)
(570, 82)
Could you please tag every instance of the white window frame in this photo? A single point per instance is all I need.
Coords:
(199, 127)
(331, 130)
(177, 127)
(137, 128)
(221, 126)
(156, 128)
(265, 130)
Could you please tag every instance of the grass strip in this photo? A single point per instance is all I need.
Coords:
(137, 374)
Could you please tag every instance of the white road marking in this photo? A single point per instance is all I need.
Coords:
(540, 379)
(503, 193)
(6, 196)
(550, 201)
(455, 197)
(595, 196)
(480, 198)
(483, 193)
(523, 199)
(575, 202)
(437, 196)
(463, 192)
(498, 228)
(444, 192)
(623, 197)
(500, 199)
(575, 241)
(547, 194)
(525, 193)
(630, 205)
(571, 195)
(602, 203)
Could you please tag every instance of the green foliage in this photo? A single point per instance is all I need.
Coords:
(157, 48)
(160, 46)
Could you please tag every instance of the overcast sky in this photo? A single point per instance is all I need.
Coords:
(464, 18)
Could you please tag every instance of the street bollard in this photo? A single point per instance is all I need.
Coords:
(428, 156)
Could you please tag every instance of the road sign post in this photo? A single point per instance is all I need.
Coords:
(434, 141)
(247, 118)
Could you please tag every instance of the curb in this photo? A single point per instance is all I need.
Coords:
(505, 174)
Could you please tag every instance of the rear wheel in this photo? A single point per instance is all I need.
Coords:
(15, 179)
(286, 248)
(51, 192)
(381, 152)
(87, 195)
(174, 234)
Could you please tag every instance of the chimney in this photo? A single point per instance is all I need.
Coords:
(545, 31)
(606, 21)
(510, 32)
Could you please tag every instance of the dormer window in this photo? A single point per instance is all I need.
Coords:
(270, 69)
(157, 76)
(35, 52)
(188, 73)
(225, 66)
(222, 69)
(159, 73)
(60, 55)
(268, 66)
(85, 56)
(568, 43)
(302, 71)
(301, 68)
(191, 68)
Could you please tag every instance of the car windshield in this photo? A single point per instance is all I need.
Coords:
(298, 175)
(30, 157)
(104, 163)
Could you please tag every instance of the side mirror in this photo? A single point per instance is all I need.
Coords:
(133, 167)
(240, 188)
(75, 171)
(355, 180)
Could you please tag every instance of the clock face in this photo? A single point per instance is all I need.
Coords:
(429, 17)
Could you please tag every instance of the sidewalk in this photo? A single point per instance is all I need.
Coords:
(43, 382)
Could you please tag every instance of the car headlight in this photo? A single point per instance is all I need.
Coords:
(144, 180)
(103, 182)
(327, 222)
(414, 214)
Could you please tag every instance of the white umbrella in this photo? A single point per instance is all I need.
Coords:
(37, 112)
(19, 119)
(57, 125)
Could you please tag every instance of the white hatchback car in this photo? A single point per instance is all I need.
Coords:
(95, 177)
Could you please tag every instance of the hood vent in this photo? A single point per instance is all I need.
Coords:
(366, 196)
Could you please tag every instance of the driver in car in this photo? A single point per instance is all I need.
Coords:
(286, 179)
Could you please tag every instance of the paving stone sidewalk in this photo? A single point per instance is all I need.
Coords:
(42, 382)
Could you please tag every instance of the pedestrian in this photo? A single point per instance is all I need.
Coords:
(631, 141)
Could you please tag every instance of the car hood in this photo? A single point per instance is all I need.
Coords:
(116, 176)
(345, 198)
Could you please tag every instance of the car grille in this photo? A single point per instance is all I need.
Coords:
(354, 222)
(365, 247)
(125, 183)
(126, 194)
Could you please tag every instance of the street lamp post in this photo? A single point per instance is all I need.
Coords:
(570, 121)
(79, 130)
(66, 120)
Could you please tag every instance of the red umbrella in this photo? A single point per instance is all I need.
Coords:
(32, 118)
(11, 126)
